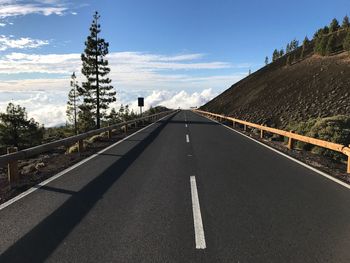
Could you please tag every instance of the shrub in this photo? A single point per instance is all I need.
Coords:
(333, 129)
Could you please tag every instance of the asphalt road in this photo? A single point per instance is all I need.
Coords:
(183, 190)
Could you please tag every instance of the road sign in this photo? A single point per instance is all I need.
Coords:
(141, 101)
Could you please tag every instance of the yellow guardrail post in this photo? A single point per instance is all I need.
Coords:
(349, 162)
(290, 142)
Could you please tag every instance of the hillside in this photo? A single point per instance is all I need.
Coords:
(282, 93)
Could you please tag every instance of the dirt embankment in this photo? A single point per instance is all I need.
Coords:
(280, 94)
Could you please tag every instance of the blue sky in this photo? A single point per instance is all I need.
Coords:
(176, 53)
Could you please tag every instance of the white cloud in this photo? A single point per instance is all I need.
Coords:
(49, 108)
(174, 81)
(11, 8)
(7, 42)
(122, 62)
(179, 99)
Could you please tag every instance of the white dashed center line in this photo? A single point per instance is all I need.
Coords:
(197, 217)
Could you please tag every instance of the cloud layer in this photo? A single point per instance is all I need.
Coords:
(169, 80)
(49, 108)
(12, 8)
(7, 42)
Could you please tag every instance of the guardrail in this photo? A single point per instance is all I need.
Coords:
(292, 137)
(11, 159)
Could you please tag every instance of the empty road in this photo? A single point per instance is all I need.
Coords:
(185, 189)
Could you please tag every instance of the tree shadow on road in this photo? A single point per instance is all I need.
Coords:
(38, 244)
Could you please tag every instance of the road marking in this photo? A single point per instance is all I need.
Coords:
(186, 125)
(38, 186)
(285, 155)
(187, 138)
(197, 217)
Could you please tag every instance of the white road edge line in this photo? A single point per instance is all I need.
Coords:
(38, 186)
(287, 156)
(187, 138)
(197, 217)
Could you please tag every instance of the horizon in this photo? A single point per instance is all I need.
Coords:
(179, 54)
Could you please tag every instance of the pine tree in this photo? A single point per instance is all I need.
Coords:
(346, 22)
(334, 26)
(266, 60)
(281, 53)
(346, 43)
(85, 118)
(275, 55)
(318, 33)
(126, 113)
(73, 103)
(17, 130)
(97, 91)
(294, 44)
(287, 48)
(321, 45)
(331, 45)
(325, 30)
(113, 117)
(306, 44)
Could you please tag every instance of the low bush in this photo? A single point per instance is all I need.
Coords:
(333, 129)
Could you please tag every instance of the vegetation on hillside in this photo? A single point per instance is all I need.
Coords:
(333, 129)
(326, 41)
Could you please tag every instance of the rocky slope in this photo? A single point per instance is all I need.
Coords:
(280, 94)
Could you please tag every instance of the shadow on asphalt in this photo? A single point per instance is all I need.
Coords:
(54, 189)
(38, 244)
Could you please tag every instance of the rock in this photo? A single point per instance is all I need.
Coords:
(39, 165)
(28, 169)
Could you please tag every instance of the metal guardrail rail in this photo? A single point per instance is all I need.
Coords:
(292, 137)
(11, 159)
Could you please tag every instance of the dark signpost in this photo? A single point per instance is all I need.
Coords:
(141, 103)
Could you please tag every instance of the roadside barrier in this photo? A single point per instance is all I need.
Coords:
(13, 155)
(292, 137)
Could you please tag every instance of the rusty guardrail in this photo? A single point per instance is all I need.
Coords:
(292, 137)
(11, 158)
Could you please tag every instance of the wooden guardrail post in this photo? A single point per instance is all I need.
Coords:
(233, 124)
(80, 146)
(245, 127)
(349, 162)
(261, 134)
(290, 142)
(109, 134)
(12, 167)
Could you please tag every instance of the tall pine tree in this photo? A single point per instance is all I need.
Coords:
(334, 26)
(97, 91)
(73, 103)
(346, 23)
